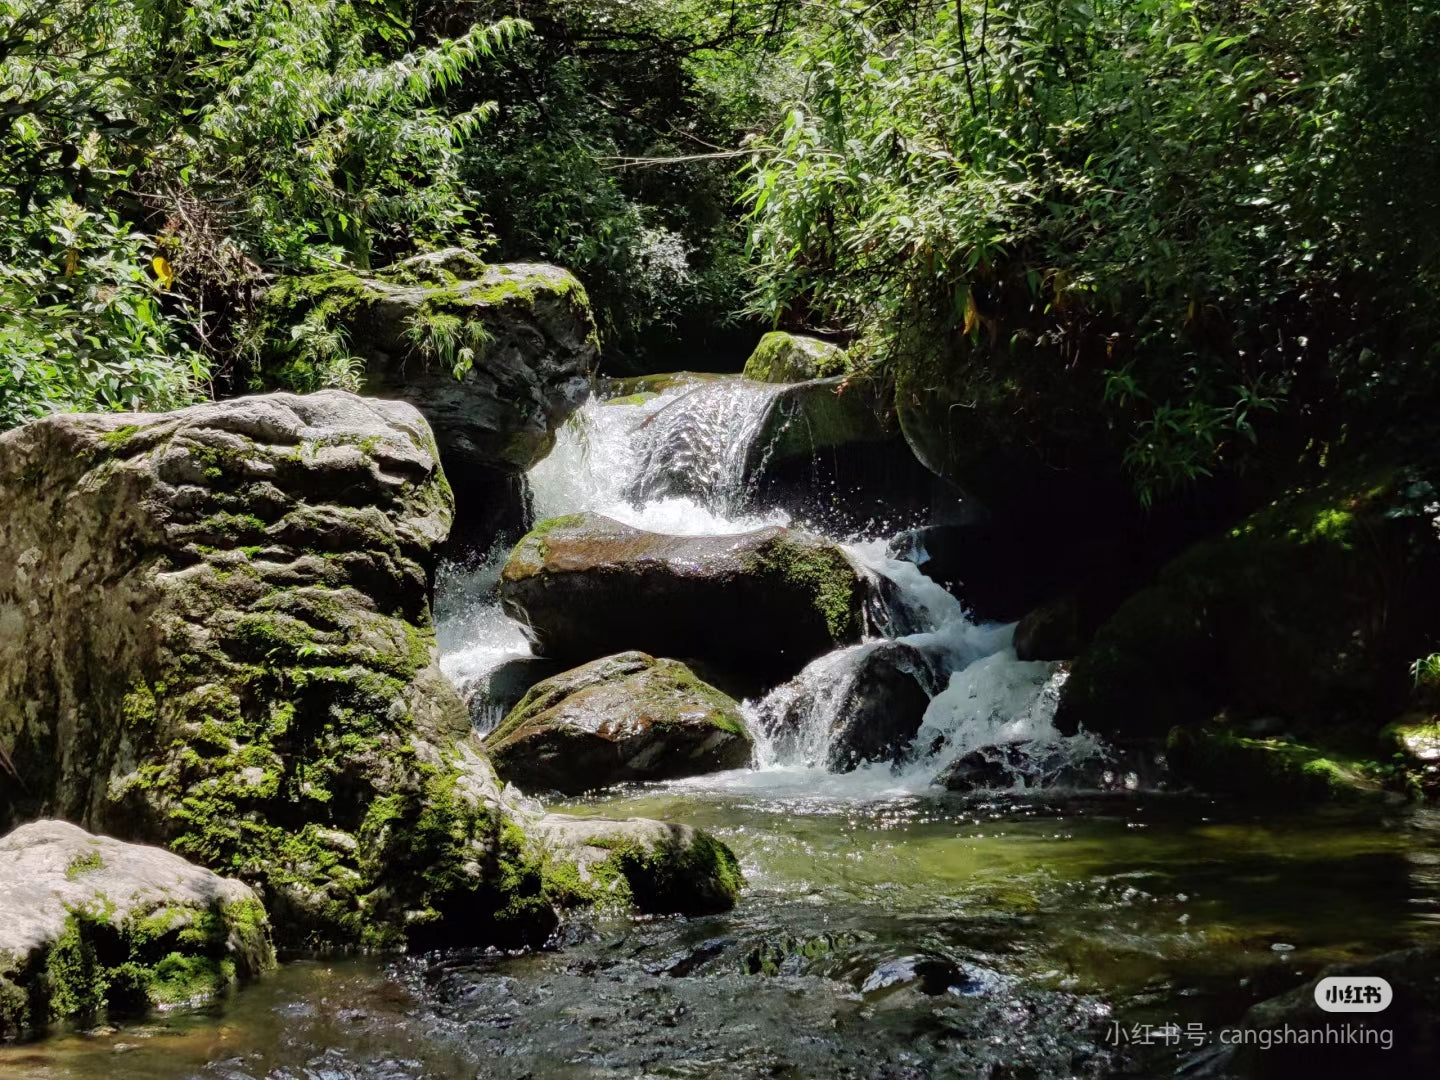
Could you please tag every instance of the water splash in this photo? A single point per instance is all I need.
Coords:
(703, 444)
(679, 463)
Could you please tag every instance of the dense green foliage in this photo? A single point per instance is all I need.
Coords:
(163, 158)
(1208, 228)
(1219, 215)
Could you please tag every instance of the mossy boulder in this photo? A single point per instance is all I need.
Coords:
(90, 926)
(653, 867)
(785, 358)
(495, 357)
(1215, 758)
(215, 635)
(1309, 612)
(622, 718)
(764, 602)
(808, 418)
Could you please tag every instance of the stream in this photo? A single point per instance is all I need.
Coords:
(889, 928)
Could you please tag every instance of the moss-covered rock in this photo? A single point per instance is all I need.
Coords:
(1279, 770)
(785, 358)
(215, 635)
(495, 357)
(91, 926)
(623, 718)
(636, 864)
(1310, 612)
(764, 602)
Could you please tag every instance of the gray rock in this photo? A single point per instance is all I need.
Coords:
(623, 718)
(495, 357)
(869, 700)
(88, 923)
(765, 602)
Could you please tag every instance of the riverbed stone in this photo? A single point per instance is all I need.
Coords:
(90, 925)
(1410, 1024)
(764, 602)
(495, 357)
(781, 357)
(622, 718)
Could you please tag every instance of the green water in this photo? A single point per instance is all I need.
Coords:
(910, 936)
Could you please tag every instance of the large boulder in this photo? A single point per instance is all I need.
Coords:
(494, 357)
(1309, 614)
(215, 635)
(623, 718)
(862, 704)
(89, 924)
(787, 358)
(764, 602)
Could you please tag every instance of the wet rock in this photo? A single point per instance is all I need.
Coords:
(929, 974)
(623, 718)
(491, 697)
(786, 358)
(215, 635)
(1411, 1023)
(494, 356)
(870, 701)
(1050, 631)
(649, 866)
(766, 602)
(990, 768)
(90, 924)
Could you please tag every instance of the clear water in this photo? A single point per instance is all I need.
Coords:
(888, 929)
(1040, 922)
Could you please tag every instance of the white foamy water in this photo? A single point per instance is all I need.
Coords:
(679, 463)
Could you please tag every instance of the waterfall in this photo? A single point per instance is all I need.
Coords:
(681, 463)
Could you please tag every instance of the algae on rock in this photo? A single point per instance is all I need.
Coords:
(90, 926)
(215, 635)
(495, 357)
(785, 358)
(623, 718)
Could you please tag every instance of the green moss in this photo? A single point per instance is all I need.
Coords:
(827, 575)
(80, 864)
(701, 877)
(783, 358)
(120, 435)
(1271, 769)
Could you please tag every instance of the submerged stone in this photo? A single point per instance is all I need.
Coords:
(90, 925)
(764, 602)
(623, 718)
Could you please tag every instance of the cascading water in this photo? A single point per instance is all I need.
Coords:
(679, 463)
